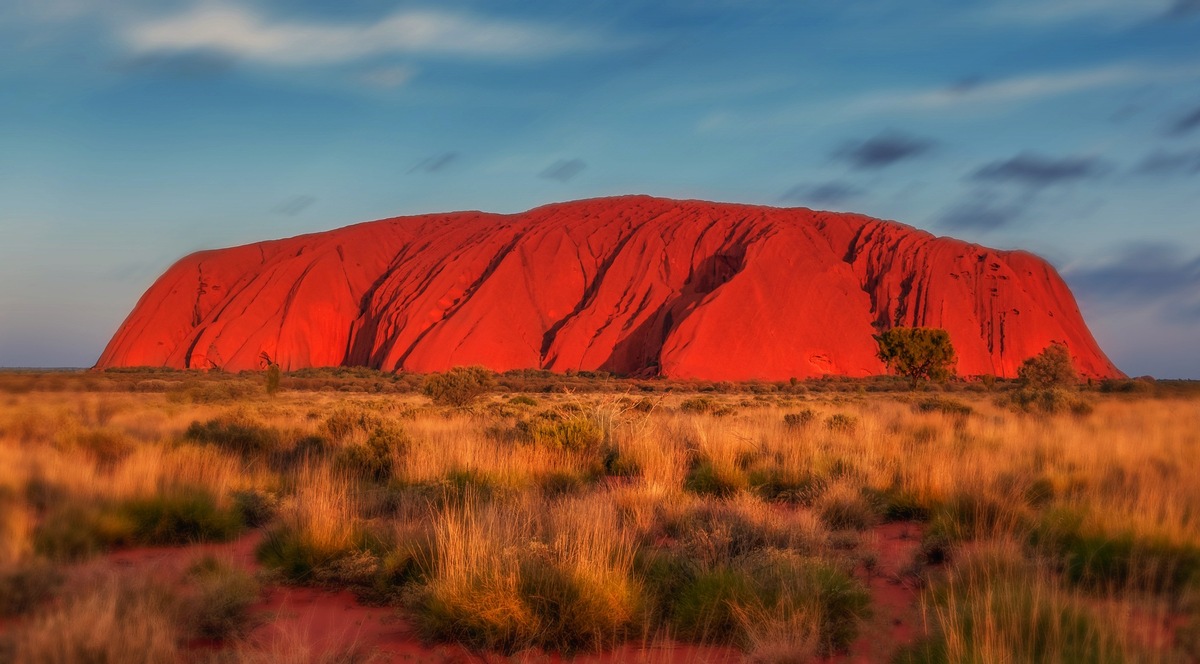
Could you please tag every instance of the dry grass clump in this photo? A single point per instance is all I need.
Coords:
(318, 524)
(512, 575)
(121, 620)
(995, 605)
(727, 514)
(216, 602)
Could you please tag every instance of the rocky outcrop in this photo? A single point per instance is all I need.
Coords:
(632, 285)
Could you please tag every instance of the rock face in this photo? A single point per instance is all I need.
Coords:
(632, 285)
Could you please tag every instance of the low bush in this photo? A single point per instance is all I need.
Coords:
(994, 606)
(573, 433)
(841, 423)
(697, 405)
(122, 620)
(217, 602)
(374, 460)
(236, 434)
(459, 387)
(181, 516)
(799, 419)
(1093, 558)
(255, 508)
(944, 405)
(710, 479)
(751, 599)
(777, 484)
(844, 507)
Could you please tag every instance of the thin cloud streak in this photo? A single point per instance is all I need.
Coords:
(244, 34)
(977, 93)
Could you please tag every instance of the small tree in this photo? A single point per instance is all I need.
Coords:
(1049, 383)
(920, 353)
(459, 386)
(273, 373)
(1049, 369)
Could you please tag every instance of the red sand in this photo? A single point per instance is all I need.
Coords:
(633, 285)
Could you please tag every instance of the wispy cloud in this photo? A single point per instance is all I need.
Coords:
(1185, 124)
(563, 170)
(435, 163)
(1037, 13)
(985, 210)
(1007, 90)
(1145, 274)
(244, 34)
(882, 150)
(974, 93)
(1038, 171)
(834, 192)
(1167, 163)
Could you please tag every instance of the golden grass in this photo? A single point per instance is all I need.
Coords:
(500, 543)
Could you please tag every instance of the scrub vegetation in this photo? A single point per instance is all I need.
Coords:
(579, 514)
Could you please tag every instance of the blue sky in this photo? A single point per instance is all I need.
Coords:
(134, 132)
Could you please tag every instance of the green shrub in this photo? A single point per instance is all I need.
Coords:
(255, 508)
(997, 608)
(697, 405)
(181, 516)
(299, 560)
(237, 435)
(943, 405)
(843, 508)
(375, 459)
(708, 479)
(841, 423)
(73, 532)
(574, 433)
(617, 464)
(776, 484)
(522, 400)
(561, 483)
(799, 419)
(217, 604)
(729, 604)
(347, 420)
(1099, 560)
(461, 386)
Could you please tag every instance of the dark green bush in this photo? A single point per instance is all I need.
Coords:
(707, 479)
(460, 386)
(374, 460)
(799, 419)
(181, 516)
(841, 423)
(237, 435)
(217, 603)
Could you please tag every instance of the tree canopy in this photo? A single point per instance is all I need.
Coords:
(920, 353)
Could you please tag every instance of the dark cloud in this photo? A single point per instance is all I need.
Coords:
(834, 192)
(1146, 274)
(1184, 9)
(563, 170)
(1036, 171)
(186, 65)
(435, 163)
(882, 150)
(1165, 163)
(967, 84)
(984, 211)
(294, 205)
(1185, 124)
